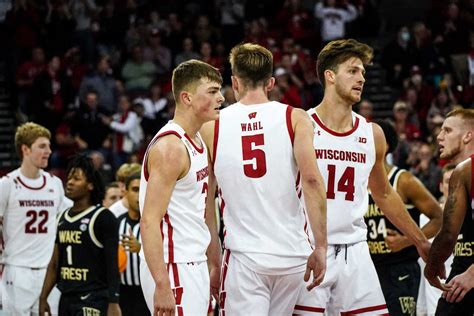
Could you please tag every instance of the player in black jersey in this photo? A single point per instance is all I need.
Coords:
(456, 142)
(394, 256)
(84, 263)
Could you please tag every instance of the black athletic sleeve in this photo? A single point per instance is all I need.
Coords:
(106, 229)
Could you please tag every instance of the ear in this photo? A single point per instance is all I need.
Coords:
(24, 149)
(185, 97)
(468, 137)
(90, 187)
(270, 85)
(235, 83)
(329, 75)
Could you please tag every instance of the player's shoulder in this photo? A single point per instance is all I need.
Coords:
(10, 175)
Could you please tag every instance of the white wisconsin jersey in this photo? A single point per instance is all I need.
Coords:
(29, 208)
(345, 161)
(257, 176)
(183, 228)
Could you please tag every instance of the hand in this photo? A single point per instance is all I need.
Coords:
(424, 249)
(214, 277)
(396, 241)
(130, 242)
(433, 274)
(164, 303)
(44, 308)
(459, 286)
(106, 120)
(114, 310)
(317, 264)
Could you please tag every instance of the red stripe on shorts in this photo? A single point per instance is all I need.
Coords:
(364, 310)
(309, 309)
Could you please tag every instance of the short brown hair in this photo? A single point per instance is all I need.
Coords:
(337, 52)
(126, 170)
(252, 63)
(27, 134)
(187, 74)
(465, 114)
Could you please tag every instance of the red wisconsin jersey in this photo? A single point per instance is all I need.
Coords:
(257, 175)
(345, 161)
(29, 208)
(183, 228)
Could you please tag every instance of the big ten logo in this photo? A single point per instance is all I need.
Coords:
(408, 305)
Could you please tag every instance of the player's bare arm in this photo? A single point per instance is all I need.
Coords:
(412, 190)
(49, 282)
(162, 179)
(453, 216)
(389, 201)
(314, 191)
(214, 249)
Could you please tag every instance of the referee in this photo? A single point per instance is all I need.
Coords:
(132, 301)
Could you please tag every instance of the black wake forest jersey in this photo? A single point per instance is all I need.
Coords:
(464, 249)
(87, 244)
(377, 225)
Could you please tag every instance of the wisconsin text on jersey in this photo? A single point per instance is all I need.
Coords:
(343, 155)
(202, 174)
(31, 203)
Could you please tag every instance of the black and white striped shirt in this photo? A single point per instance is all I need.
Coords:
(131, 275)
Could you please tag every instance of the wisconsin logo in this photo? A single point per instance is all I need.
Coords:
(252, 115)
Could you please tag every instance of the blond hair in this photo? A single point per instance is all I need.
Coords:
(337, 52)
(126, 170)
(464, 114)
(27, 134)
(188, 75)
(252, 63)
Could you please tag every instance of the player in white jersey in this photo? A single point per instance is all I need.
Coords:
(30, 199)
(257, 148)
(350, 153)
(174, 275)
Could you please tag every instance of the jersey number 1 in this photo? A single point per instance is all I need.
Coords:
(345, 183)
(257, 168)
(32, 227)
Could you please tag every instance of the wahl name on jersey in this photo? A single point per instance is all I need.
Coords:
(249, 127)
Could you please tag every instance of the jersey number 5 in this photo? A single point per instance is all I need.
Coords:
(345, 183)
(37, 222)
(257, 168)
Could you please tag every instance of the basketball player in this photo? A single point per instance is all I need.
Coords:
(132, 301)
(30, 199)
(84, 262)
(257, 148)
(124, 171)
(456, 143)
(394, 257)
(174, 274)
(428, 295)
(350, 152)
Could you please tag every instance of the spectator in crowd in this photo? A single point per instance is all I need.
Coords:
(288, 86)
(441, 105)
(104, 169)
(204, 31)
(112, 194)
(187, 52)
(83, 12)
(128, 132)
(74, 67)
(426, 169)
(52, 95)
(207, 57)
(138, 73)
(87, 128)
(25, 76)
(102, 82)
(405, 129)
(366, 109)
(334, 18)
(158, 53)
(232, 15)
(60, 25)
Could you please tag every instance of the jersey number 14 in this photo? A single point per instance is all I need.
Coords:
(344, 184)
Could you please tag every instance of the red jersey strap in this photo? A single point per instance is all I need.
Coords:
(214, 144)
(289, 124)
(153, 141)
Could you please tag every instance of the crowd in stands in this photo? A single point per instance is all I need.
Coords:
(97, 73)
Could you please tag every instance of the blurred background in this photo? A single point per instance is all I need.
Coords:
(97, 73)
